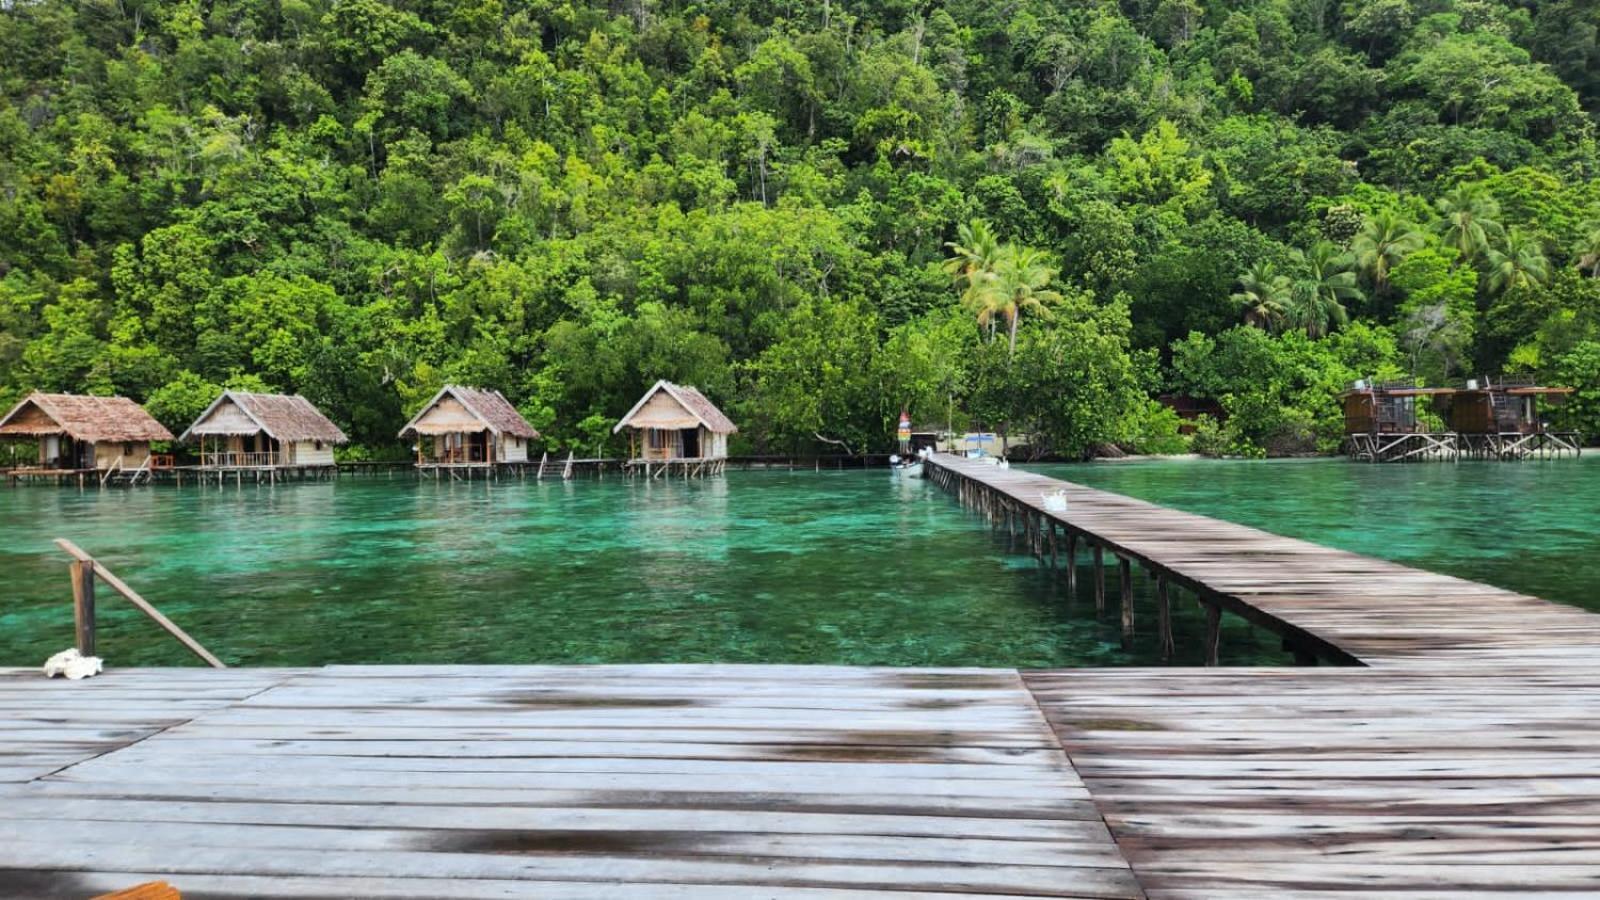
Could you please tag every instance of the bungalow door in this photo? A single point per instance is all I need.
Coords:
(690, 441)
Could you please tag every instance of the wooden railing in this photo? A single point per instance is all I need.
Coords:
(232, 459)
(84, 569)
(455, 456)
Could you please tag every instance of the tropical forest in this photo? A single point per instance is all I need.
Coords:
(1033, 217)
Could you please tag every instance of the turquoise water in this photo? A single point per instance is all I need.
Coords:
(1529, 526)
(818, 567)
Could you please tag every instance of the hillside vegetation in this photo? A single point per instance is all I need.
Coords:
(1024, 215)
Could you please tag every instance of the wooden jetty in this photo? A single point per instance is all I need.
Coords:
(1452, 754)
(720, 782)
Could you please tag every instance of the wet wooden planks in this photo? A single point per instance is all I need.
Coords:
(1378, 612)
(46, 724)
(613, 781)
(1338, 782)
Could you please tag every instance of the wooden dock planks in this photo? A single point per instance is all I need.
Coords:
(1341, 782)
(614, 781)
(1348, 606)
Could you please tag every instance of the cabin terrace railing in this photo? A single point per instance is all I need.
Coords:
(230, 459)
(456, 456)
(84, 571)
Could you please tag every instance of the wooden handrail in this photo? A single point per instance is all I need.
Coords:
(84, 570)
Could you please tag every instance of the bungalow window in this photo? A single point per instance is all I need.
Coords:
(127, 448)
(318, 444)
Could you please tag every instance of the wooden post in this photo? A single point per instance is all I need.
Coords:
(112, 581)
(1072, 564)
(1051, 524)
(1125, 587)
(1164, 618)
(1099, 579)
(1213, 632)
(83, 604)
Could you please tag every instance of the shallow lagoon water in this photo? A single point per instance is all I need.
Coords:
(813, 567)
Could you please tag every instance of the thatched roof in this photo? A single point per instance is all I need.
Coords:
(486, 409)
(694, 404)
(282, 417)
(82, 418)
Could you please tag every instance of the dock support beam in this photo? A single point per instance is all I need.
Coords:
(1125, 587)
(1072, 564)
(1164, 618)
(1099, 579)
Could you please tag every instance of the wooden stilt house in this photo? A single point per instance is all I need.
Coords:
(674, 426)
(1381, 423)
(1501, 419)
(244, 430)
(78, 434)
(466, 427)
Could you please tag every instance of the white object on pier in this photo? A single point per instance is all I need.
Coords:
(72, 664)
(1055, 502)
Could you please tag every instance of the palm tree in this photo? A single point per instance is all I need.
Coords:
(975, 252)
(1520, 264)
(1020, 282)
(1384, 240)
(1589, 250)
(1469, 221)
(1317, 301)
(1265, 296)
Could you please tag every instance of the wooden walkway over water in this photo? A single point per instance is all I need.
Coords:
(1455, 754)
(1340, 606)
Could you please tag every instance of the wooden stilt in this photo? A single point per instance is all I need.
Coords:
(1099, 579)
(1164, 618)
(1125, 588)
(1072, 563)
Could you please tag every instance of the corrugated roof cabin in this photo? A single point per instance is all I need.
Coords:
(243, 430)
(1384, 408)
(466, 426)
(78, 433)
(676, 422)
(1506, 406)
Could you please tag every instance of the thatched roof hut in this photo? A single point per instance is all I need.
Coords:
(76, 431)
(675, 421)
(245, 429)
(469, 426)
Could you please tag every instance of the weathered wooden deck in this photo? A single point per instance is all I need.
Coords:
(583, 782)
(1344, 605)
(1458, 757)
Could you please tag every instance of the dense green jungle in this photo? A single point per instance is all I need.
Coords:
(1031, 217)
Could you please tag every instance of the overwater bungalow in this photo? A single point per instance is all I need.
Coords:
(466, 428)
(264, 433)
(79, 435)
(1486, 419)
(1501, 419)
(1381, 423)
(675, 427)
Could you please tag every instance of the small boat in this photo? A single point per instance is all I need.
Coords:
(906, 468)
